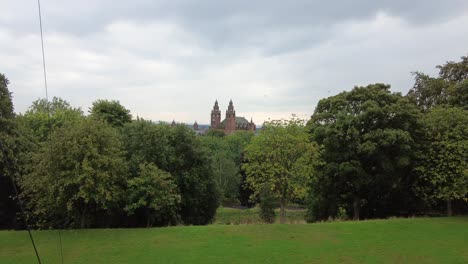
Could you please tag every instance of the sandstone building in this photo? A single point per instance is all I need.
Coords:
(231, 122)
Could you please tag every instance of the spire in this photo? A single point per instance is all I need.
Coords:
(251, 120)
(231, 106)
(216, 107)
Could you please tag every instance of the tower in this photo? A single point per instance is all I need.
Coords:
(230, 118)
(195, 125)
(215, 116)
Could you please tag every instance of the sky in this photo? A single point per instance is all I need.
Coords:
(168, 60)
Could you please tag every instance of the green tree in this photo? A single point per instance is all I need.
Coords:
(450, 88)
(454, 72)
(280, 159)
(79, 171)
(110, 111)
(155, 192)
(367, 139)
(178, 151)
(443, 166)
(44, 116)
(225, 170)
(9, 149)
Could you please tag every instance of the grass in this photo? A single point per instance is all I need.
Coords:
(419, 240)
(232, 216)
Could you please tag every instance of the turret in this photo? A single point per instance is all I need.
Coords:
(230, 118)
(215, 116)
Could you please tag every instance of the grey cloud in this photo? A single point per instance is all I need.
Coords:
(171, 59)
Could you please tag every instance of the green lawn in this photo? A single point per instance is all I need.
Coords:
(422, 240)
(232, 216)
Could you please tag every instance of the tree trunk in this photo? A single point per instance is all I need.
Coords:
(282, 212)
(356, 208)
(449, 208)
(148, 218)
(83, 218)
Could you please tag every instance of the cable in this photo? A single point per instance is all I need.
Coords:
(43, 53)
(47, 97)
(20, 203)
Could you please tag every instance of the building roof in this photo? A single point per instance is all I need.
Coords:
(240, 120)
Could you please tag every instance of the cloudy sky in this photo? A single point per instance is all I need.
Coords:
(169, 60)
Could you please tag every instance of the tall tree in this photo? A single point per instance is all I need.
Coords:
(179, 152)
(43, 116)
(280, 160)
(450, 88)
(367, 136)
(8, 156)
(110, 111)
(443, 164)
(80, 170)
(225, 156)
(155, 192)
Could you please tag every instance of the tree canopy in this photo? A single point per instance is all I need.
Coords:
(111, 112)
(280, 161)
(443, 164)
(367, 139)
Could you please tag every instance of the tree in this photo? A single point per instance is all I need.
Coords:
(194, 177)
(367, 139)
(44, 116)
(443, 164)
(280, 160)
(9, 149)
(454, 72)
(225, 153)
(155, 192)
(450, 88)
(179, 152)
(110, 111)
(80, 170)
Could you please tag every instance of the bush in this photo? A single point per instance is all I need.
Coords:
(267, 207)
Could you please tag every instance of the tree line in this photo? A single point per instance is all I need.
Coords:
(364, 153)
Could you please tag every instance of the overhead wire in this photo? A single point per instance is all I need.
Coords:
(47, 97)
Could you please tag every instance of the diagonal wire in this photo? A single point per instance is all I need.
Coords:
(47, 97)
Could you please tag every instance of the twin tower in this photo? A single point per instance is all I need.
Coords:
(231, 123)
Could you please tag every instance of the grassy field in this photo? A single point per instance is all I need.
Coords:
(421, 240)
(232, 216)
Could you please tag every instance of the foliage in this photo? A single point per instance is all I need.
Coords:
(367, 138)
(80, 170)
(179, 152)
(449, 89)
(215, 133)
(454, 72)
(226, 157)
(9, 148)
(191, 168)
(443, 166)
(155, 192)
(110, 111)
(280, 159)
(44, 116)
(229, 215)
(267, 207)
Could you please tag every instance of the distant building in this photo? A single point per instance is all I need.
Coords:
(231, 123)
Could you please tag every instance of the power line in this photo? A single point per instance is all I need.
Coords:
(47, 98)
(20, 203)
(43, 53)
